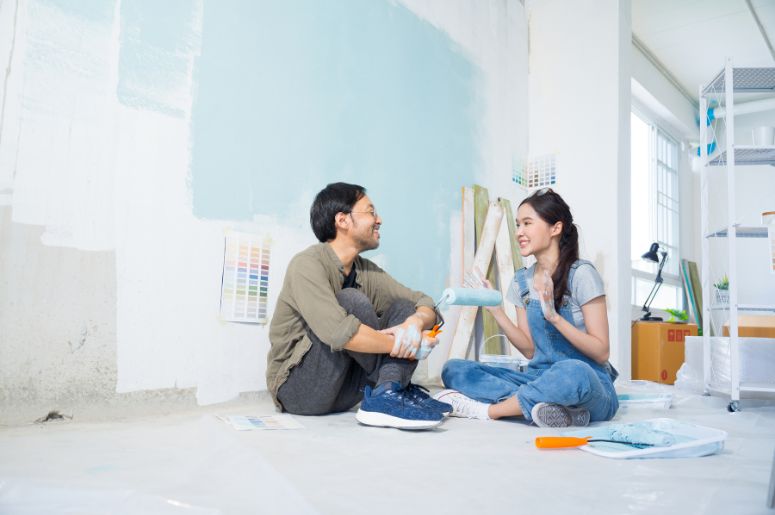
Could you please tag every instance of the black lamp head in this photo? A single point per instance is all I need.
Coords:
(651, 255)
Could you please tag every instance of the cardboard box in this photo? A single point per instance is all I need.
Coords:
(755, 326)
(658, 350)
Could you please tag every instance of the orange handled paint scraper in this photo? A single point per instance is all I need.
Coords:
(568, 442)
(436, 329)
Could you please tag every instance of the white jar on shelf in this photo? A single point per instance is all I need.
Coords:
(722, 296)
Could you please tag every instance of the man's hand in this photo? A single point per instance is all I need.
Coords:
(411, 342)
(427, 345)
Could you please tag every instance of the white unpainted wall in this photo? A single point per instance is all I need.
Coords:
(579, 94)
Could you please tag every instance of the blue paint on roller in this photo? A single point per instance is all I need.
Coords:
(640, 432)
(471, 297)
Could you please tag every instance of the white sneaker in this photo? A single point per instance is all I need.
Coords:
(462, 406)
(555, 415)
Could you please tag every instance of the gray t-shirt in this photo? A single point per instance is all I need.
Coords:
(586, 285)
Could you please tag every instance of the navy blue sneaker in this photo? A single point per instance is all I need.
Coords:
(388, 406)
(420, 396)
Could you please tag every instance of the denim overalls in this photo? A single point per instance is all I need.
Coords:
(558, 372)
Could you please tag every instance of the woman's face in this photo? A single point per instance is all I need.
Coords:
(534, 235)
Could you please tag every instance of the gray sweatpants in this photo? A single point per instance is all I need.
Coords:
(330, 382)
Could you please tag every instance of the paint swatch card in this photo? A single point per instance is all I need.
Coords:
(538, 172)
(245, 280)
(265, 422)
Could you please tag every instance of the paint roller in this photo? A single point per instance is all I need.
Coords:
(471, 297)
(461, 297)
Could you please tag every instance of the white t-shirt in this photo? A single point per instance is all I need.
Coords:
(586, 285)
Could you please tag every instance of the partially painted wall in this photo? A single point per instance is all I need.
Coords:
(134, 133)
(356, 91)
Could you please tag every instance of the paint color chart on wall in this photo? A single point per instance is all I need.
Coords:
(245, 283)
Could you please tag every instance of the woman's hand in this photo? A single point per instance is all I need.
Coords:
(476, 279)
(546, 297)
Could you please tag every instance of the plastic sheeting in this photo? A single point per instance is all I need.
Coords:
(757, 362)
(191, 467)
(193, 463)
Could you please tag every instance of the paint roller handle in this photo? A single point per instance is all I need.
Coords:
(560, 442)
(436, 330)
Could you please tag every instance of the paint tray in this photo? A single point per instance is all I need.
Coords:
(692, 441)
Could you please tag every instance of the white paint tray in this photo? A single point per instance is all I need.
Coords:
(691, 441)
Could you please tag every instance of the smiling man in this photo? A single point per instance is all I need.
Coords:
(344, 331)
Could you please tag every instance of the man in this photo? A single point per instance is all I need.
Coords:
(344, 330)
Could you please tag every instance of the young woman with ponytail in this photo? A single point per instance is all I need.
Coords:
(562, 327)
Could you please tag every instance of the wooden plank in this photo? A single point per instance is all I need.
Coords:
(516, 262)
(505, 267)
(694, 276)
(469, 232)
(508, 215)
(689, 294)
(505, 275)
(490, 326)
(465, 325)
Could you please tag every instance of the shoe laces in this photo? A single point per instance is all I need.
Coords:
(416, 392)
(462, 405)
(403, 397)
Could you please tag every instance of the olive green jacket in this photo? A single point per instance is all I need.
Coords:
(307, 302)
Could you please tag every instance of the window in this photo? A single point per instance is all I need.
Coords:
(655, 209)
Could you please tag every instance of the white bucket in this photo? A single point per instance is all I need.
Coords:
(764, 136)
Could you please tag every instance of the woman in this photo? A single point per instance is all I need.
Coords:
(562, 326)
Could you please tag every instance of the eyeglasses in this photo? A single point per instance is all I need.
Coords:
(372, 212)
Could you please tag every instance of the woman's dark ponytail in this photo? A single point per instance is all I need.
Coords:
(569, 254)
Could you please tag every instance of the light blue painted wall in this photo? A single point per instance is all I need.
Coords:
(95, 11)
(291, 95)
(156, 46)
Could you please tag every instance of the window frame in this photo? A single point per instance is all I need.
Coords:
(657, 129)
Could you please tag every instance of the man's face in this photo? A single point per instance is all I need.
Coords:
(365, 224)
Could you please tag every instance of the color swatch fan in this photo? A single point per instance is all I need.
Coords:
(245, 280)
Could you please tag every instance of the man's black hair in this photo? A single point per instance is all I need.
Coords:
(337, 197)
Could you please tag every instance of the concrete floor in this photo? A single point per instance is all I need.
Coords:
(192, 463)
